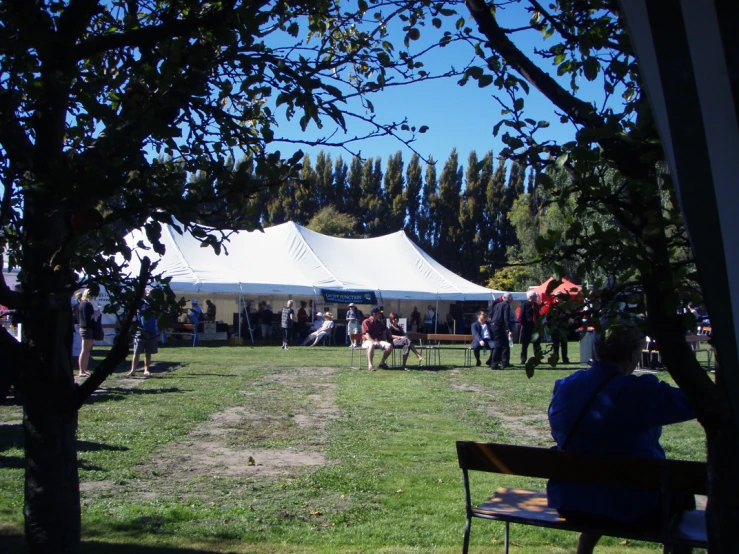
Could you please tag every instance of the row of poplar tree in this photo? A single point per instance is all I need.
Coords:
(447, 210)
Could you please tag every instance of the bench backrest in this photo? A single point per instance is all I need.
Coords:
(578, 467)
(443, 337)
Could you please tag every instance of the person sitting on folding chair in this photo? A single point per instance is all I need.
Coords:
(322, 332)
(376, 335)
(401, 341)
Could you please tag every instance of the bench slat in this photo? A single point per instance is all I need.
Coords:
(578, 467)
(519, 503)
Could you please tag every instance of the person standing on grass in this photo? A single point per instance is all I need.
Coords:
(210, 311)
(265, 321)
(195, 317)
(353, 325)
(145, 340)
(529, 315)
(87, 315)
(376, 335)
(502, 323)
(303, 325)
(401, 341)
(609, 411)
(415, 319)
(429, 320)
(287, 320)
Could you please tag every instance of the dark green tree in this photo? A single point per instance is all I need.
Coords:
(428, 214)
(396, 202)
(449, 231)
(471, 220)
(496, 218)
(340, 184)
(324, 181)
(354, 193)
(412, 193)
(304, 188)
(372, 204)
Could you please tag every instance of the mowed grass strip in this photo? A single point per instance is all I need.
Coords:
(164, 461)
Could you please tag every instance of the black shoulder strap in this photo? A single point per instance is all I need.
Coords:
(585, 408)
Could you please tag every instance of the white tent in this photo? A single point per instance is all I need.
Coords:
(289, 259)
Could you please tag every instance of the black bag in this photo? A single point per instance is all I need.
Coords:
(97, 330)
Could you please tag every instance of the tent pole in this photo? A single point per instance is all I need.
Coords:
(248, 323)
(246, 317)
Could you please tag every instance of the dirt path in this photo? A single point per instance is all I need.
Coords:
(221, 446)
(532, 429)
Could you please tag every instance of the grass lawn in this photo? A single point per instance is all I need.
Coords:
(254, 449)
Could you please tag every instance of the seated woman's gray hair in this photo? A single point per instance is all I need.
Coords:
(617, 340)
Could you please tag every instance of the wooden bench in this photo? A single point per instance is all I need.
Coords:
(446, 338)
(529, 507)
(696, 341)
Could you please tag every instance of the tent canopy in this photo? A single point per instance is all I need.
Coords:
(289, 259)
(566, 287)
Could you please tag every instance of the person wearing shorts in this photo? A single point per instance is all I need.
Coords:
(376, 335)
(145, 341)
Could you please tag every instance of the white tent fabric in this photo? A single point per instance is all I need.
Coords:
(289, 259)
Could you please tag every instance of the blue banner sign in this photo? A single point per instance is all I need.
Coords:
(347, 296)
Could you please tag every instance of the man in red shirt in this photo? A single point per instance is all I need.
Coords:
(376, 335)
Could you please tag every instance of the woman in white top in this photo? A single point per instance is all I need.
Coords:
(323, 331)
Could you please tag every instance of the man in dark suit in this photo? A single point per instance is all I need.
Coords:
(482, 336)
(529, 315)
(502, 324)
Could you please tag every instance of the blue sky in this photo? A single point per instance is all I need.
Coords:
(461, 117)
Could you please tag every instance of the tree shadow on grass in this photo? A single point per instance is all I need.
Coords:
(11, 436)
(15, 544)
(115, 394)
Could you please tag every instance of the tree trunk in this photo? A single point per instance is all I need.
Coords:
(722, 512)
(52, 503)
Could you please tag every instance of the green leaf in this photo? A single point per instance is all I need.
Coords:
(484, 81)
(591, 67)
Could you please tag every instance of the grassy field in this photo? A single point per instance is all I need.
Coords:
(255, 449)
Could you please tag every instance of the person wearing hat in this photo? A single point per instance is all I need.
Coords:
(353, 325)
(376, 335)
(317, 322)
(195, 317)
(323, 331)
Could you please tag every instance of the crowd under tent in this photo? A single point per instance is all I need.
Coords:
(288, 261)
